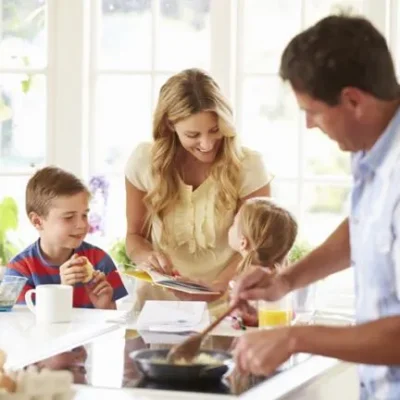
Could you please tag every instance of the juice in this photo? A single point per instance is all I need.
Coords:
(272, 318)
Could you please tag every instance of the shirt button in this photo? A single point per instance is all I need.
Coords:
(355, 221)
(352, 263)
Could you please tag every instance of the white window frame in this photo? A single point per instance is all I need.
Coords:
(72, 73)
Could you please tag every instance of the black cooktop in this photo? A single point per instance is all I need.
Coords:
(92, 368)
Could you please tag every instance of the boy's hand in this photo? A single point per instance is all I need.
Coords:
(100, 291)
(73, 270)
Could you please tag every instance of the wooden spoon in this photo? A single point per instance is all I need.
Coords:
(188, 349)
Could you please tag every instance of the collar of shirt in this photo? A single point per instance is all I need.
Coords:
(365, 163)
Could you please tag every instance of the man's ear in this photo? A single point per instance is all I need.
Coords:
(354, 100)
(36, 220)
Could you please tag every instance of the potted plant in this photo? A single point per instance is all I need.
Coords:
(8, 222)
(305, 298)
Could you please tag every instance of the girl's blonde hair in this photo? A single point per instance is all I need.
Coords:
(185, 94)
(270, 231)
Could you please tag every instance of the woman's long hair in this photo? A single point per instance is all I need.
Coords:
(183, 95)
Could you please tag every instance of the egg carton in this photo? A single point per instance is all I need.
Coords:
(32, 384)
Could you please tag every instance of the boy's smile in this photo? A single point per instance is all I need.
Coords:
(65, 226)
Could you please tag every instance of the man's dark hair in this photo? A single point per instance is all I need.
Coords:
(338, 52)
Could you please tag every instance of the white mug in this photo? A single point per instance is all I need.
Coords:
(53, 303)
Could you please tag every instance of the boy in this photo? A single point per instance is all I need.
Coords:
(57, 204)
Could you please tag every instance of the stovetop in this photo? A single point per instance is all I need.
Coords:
(107, 364)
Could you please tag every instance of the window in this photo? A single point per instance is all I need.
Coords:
(23, 94)
(82, 97)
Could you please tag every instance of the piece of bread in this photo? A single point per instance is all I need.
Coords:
(90, 270)
(7, 384)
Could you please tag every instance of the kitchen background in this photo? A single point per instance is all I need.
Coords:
(79, 80)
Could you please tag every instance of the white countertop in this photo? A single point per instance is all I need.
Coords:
(25, 342)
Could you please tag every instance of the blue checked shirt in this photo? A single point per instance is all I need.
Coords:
(375, 248)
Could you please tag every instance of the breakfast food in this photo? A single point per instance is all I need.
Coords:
(89, 270)
(7, 384)
(202, 358)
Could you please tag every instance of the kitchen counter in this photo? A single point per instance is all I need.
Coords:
(104, 346)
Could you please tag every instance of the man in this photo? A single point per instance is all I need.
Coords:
(342, 75)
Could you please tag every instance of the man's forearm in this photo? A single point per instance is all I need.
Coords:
(331, 256)
(375, 342)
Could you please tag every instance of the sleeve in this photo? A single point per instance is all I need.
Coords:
(137, 168)
(254, 173)
(17, 269)
(107, 266)
(396, 248)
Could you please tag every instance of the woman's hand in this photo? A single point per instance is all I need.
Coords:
(214, 286)
(159, 262)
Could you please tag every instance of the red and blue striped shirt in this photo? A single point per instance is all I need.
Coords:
(31, 264)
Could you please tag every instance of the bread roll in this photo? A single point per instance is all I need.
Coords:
(7, 383)
(89, 269)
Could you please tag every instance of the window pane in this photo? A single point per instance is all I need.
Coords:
(325, 207)
(183, 35)
(264, 36)
(126, 40)
(123, 119)
(270, 123)
(286, 193)
(22, 121)
(317, 9)
(15, 187)
(23, 33)
(323, 156)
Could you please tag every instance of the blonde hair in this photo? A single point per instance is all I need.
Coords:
(270, 231)
(47, 184)
(184, 94)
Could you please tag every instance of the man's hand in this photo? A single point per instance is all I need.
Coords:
(258, 283)
(73, 270)
(262, 352)
(100, 291)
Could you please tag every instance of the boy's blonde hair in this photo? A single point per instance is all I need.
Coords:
(270, 231)
(47, 184)
(183, 95)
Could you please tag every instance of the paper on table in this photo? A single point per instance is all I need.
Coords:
(170, 316)
(173, 336)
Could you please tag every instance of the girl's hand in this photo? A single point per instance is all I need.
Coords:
(245, 313)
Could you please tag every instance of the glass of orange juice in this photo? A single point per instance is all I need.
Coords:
(272, 314)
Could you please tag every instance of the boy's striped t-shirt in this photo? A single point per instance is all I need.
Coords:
(31, 264)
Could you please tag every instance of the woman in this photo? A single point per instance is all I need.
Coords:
(183, 189)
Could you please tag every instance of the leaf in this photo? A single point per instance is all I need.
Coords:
(8, 216)
(26, 84)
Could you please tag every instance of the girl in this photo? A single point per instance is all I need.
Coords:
(263, 233)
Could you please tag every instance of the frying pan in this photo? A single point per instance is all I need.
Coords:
(146, 362)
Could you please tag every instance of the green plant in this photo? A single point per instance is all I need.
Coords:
(299, 250)
(8, 222)
(118, 252)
